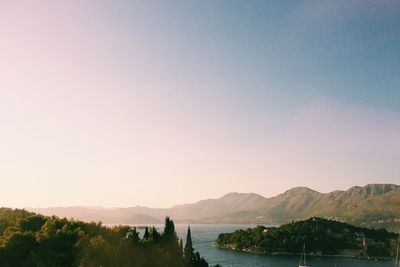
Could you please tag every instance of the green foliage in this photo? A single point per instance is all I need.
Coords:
(191, 258)
(321, 236)
(146, 234)
(170, 243)
(378, 250)
(189, 254)
(31, 240)
(133, 236)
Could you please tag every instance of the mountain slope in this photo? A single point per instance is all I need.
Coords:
(231, 202)
(375, 205)
(371, 205)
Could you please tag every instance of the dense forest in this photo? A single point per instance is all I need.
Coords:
(321, 236)
(32, 240)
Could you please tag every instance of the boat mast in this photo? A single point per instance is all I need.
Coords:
(301, 257)
(303, 262)
(396, 263)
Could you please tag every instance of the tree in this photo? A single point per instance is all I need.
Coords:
(189, 251)
(29, 240)
(146, 234)
(97, 253)
(170, 243)
(18, 249)
(57, 243)
(181, 245)
(133, 235)
(199, 261)
(32, 223)
(155, 236)
(169, 234)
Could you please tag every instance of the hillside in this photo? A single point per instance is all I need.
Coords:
(374, 205)
(229, 203)
(322, 237)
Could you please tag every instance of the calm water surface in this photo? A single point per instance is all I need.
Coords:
(204, 235)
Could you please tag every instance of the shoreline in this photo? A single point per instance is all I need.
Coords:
(298, 254)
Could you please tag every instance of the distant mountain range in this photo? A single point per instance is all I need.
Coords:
(374, 205)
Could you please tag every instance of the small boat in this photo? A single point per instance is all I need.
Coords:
(397, 260)
(303, 262)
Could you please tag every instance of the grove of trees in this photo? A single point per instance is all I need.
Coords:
(32, 240)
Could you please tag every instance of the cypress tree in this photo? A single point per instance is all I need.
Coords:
(146, 234)
(170, 242)
(155, 236)
(181, 245)
(189, 251)
(169, 234)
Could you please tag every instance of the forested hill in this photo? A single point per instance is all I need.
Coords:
(321, 236)
(31, 240)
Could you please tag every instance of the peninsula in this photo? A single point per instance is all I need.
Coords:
(323, 237)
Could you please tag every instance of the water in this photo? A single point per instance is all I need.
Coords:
(204, 235)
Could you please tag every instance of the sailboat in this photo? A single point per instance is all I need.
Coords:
(303, 262)
(397, 261)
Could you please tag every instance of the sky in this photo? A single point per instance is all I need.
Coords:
(157, 103)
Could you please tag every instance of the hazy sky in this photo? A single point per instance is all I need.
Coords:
(121, 103)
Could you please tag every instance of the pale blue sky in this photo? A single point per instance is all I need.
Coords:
(120, 103)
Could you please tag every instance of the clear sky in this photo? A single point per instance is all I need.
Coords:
(155, 103)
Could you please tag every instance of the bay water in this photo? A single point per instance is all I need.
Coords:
(203, 237)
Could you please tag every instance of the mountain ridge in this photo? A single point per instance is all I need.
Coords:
(370, 205)
(375, 205)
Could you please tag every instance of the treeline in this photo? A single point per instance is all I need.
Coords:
(32, 240)
(320, 235)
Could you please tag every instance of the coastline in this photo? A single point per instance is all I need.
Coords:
(280, 253)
